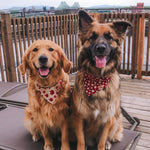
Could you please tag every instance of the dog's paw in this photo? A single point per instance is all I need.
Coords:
(107, 145)
(81, 147)
(101, 146)
(49, 147)
(65, 147)
(117, 138)
(35, 138)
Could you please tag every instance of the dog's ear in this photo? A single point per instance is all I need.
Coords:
(120, 27)
(65, 63)
(24, 65)
(84, 21)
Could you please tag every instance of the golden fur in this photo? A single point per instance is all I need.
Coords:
(42, 118)
(98, 116)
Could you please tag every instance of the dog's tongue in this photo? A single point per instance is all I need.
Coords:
(43, 71)
(100, 61)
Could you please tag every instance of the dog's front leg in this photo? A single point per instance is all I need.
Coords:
(47, 138)
(79, 133)
(104, 135)
(64, 136)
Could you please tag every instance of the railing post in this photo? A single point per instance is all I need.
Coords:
(135, 32)
(101, 18)
(141, 37)
(97, 16)
(8, 48)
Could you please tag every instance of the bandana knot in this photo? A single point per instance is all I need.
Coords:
(92, 84)
(49, 93)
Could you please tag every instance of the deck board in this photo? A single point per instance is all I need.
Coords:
(135, 98)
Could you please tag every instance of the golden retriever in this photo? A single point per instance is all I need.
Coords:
(47, 112)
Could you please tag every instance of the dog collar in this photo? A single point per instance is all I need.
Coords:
(92, 84)
(49, 93)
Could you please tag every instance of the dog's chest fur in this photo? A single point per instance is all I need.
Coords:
(102, 105)
(47, 113)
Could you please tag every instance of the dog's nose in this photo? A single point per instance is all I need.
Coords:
(101, 47)
(43, 59)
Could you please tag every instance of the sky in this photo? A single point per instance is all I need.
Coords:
(5, 4)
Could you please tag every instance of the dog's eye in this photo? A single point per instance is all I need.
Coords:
(35, 49)
(94, 36)
(51, 49)
(108, 36)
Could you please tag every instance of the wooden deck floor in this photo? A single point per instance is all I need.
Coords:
(135, 97)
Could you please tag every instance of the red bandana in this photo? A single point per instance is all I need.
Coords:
(92, 84)
(49, 93)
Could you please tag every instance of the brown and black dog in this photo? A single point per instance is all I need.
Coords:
(96, 93)
(48, 92)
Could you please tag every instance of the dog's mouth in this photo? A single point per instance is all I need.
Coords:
(44, 71)
(100, 61)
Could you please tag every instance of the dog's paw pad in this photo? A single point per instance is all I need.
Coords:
(35, 138)
(107, 145)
